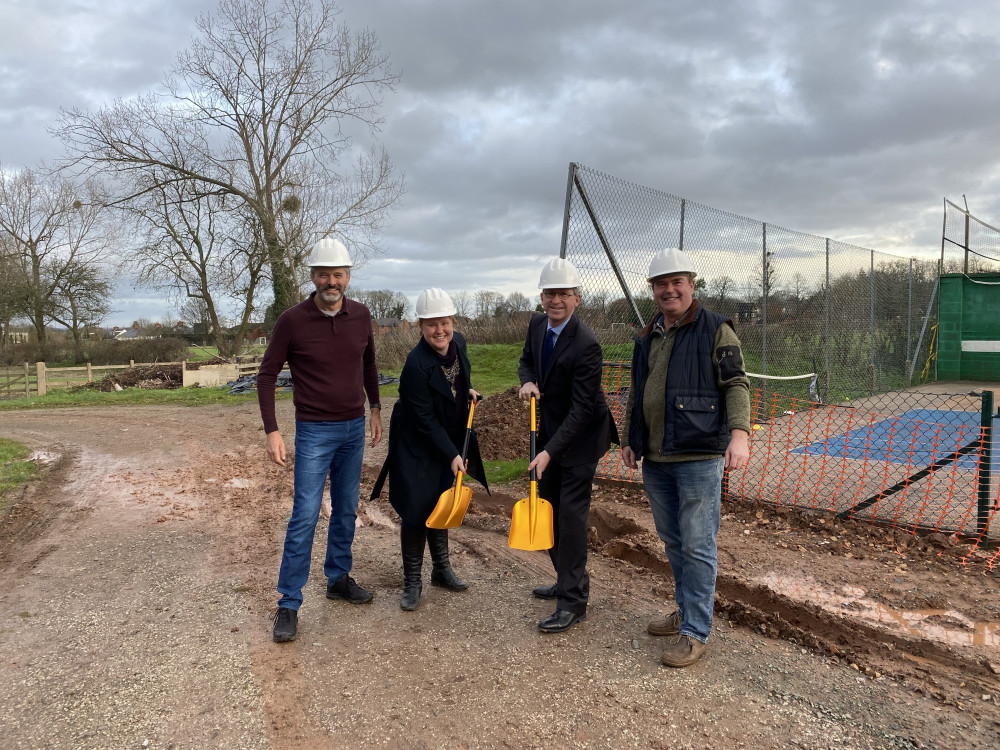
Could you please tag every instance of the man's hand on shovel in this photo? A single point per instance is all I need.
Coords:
(540, 463)
(527, 391)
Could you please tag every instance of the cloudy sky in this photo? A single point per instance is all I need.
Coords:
(849, 119)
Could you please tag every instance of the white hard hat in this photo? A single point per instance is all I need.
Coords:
(434, 303)
(329, 253)
(670, 261)
(559, 273)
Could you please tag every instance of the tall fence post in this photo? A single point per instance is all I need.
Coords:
(607, 247)
(871, 323)
(680, 241)
(90, 374)
(566, 209)
(909, 318)
(965, 263)
(27, 381)
(763, 306)
(826, 335)
(985, 466)
(40, 373)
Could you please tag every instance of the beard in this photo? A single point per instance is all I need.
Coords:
(330, 296)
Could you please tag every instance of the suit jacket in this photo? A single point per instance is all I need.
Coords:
(577, 427)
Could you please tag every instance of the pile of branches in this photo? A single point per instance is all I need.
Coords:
(150, 377)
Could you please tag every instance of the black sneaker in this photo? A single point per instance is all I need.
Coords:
(286, 623)
(346, 588)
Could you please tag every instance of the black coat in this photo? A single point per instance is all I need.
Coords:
(577, 427)
(426, 432)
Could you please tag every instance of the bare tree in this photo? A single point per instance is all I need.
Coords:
(487, 302)
(383, 303)
(54, 235)
(82, 299)
(463, 303)
(13, 295)
(258, 109)
(515, 302)
(721, 289)
(198, 248)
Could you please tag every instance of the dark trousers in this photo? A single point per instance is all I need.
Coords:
(568, 489)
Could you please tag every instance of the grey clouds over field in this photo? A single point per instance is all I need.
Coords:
(845, 119)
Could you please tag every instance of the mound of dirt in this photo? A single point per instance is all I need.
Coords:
(151, 377)
(501, 423)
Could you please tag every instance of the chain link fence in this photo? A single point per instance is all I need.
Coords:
(968, 244)
(861, 322)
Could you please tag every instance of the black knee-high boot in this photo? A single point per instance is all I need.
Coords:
(442, 575)
(411, 540)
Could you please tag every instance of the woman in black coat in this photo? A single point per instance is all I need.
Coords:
(426, 435)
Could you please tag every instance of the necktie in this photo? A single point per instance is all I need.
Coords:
(547, 347)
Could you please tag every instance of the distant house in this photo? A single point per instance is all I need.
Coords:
(127, 334)
(387, 325)
(257, 335)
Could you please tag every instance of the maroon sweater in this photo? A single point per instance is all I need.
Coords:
(332, 361)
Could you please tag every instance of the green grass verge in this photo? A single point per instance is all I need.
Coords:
(14, 470)
(501, 472)
(494, 366)
(131, 397)
(494, 369)
(202, 353)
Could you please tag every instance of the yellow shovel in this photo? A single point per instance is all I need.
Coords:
(451, 506)
(531, 525)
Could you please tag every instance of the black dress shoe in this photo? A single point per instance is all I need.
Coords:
(545, 592)
(560, 620)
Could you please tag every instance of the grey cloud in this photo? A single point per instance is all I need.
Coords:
(847, 119)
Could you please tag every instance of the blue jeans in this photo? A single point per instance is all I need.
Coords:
(685, 498)
(321, 449)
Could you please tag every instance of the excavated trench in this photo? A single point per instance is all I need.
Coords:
(934, 666)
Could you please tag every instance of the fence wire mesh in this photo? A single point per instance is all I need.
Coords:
(970, 244)
(863, 321)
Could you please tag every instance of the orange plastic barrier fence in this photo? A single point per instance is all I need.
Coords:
(905, 460)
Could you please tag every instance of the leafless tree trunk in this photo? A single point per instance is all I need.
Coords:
(463, 304)
(83, 299)
(200, 250)
(54, 232)
(258, 109)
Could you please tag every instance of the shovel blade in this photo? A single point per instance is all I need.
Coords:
(450, 509)
(531, 533)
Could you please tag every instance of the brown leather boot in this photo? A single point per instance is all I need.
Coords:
(669, 625)
(682, 651)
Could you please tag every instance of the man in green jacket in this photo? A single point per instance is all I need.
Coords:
(687, 420)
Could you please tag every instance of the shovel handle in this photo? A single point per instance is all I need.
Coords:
(531, 441)
(468, 430)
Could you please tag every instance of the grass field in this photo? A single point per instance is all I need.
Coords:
(129, 397)
(501, 472)
(494, 369)
(14, 469)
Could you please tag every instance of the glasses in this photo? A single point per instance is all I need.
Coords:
(563, 294)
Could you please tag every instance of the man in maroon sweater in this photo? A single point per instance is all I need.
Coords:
(328, 345)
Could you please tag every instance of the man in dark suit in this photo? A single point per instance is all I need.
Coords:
(561, 367)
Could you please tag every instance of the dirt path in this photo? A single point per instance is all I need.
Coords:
(138, 579)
